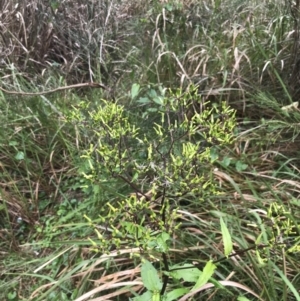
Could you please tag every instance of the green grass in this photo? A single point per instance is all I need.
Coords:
(54, 185)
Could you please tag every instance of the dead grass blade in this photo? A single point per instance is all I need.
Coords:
(224, 283)
(106, 287)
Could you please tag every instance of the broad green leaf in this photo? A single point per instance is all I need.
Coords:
(242, 298)
(206, 274)
(135, 89)
(147, 296)
(213, 154)
(20, 156)
(96, 189)
(226, 238)
(162, 239)
(144, 100)
(152, 93)
(150, 277)
(12, 295)
(176, 293)
(159, 100)
(152, 110)
(13, 143)
(187, 272)
(226, 161)
(240, 166)
(160, 243)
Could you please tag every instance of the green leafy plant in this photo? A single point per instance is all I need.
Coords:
(143, 206)
(164, 161)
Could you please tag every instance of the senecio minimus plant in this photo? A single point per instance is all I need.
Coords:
(162, 156)
(162, 146)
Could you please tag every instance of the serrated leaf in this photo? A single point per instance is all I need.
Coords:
(205, 275)
(135, 89)
(150, 277)
(227, 241)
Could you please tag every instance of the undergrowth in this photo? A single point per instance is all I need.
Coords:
(179, 180)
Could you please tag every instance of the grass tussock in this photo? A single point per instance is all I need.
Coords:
(73, 176)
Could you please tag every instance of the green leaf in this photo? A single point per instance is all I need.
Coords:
(96, 189)
(159, 100)
(160, 243)
(213, 154)
(152, 93)
(54, 5)
(144, 100)
(242, 298)
(206, 274)
(12, 295)
(218, 213)
(13, 143)
(176, 293)
(240, 166)
(226, 161)
(152, 110)
(185, 272)
(262, 262)
(144, 297)
(20, 156)
(162, 239)
(135, 89)
(150, 277)
(226, 238)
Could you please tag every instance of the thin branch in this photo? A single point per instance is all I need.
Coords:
(91, 85)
